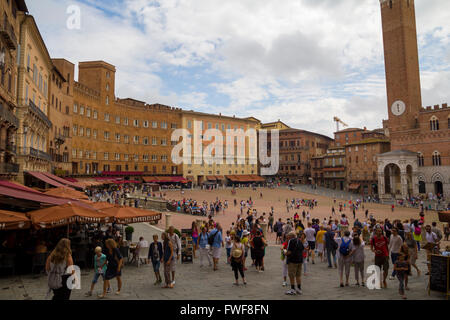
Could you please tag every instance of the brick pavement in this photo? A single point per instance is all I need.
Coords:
(193, 283)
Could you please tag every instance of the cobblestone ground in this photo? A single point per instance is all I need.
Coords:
(193, 282)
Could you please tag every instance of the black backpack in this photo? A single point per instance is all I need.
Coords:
(211, 238)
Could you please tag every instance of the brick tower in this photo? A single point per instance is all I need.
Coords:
(401, 64)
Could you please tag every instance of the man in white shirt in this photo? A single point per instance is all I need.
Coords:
(395, 244)
(311, 238)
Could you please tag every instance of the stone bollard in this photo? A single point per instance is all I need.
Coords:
(264, 229)
(168, 220)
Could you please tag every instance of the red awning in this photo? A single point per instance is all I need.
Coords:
(26, 195)
(122, 173)
(44, 178)
(15, 185)
(61, 180)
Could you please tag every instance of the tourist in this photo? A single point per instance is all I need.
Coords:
(331, 247)
(141, 244)
(176, 244)
(344, 257)
(404, 251)
(258, 244)
(395, 244)
(417, 233)
(401, 268)
(237, 260)
(278, 228)
(412, 251)
(271, 220)
(310, 235)
(294, 261)
(99, 268)
(114, 267)
(155, 253)
(228, 246)
(246, 242)
(194, 230)
(358, 257)
(320, 241)
(436, 230)
(432, 243)
(167, 259)
(447, 231)
(284, 262)
(202, 243)
(380, 247)
(56, 266)
(216, 242)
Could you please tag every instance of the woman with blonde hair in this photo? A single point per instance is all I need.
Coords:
(57, 263)
(114, 267)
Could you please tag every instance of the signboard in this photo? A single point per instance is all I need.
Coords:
(439, 275)
(187, 246)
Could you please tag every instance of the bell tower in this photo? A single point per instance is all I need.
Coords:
(401, 63)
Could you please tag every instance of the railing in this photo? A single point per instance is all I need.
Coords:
(35, 153)
(7, 115)
(59, 138)
(7, 31)
(40, 114)
(9, 168)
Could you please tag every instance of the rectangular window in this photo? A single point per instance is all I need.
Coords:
(145, 157)
(95, 115)
(106, 156)
(81, 131)
(117, 156)
(136, 123)
(88, 132)
(164, 125)
(88, 112)
(154, 141)
(164, 158)
(106, 135)
(75, 106)
(189, 124)
(126, 139)
(74, 153)
(125, 157)
(125, 121)
(136, 157)
(164, 142)
(117, 137)
(145, 124)
(154, 124)
(94, 133)
(81, 110)
(145, 141)
(117, 120)
(154, 158)
(136, 139)
(107, 117)
(75, 130)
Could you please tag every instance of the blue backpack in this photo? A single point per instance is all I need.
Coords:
(344, 249)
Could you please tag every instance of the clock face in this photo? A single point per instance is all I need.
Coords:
(398, 108)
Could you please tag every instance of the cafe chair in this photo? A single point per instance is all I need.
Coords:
(142, 255)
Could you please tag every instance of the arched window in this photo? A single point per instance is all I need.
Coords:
(420, 159)
(436, 158)
(434, 123)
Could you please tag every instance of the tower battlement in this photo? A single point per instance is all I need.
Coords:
(444, 106)
(392, 3)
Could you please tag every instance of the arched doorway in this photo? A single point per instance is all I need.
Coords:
(438, 188)
(392, 179)
(422, 188)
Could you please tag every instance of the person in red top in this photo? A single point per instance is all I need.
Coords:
(379, 245)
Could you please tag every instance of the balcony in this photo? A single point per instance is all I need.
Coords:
(31, 152)
(8, 115)
(7, 32)
(59, 139)
(8, 168)
(42, 116)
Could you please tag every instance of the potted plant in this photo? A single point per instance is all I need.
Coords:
(129, 233)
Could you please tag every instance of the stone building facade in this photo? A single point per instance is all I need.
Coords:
(60, 104)
(297, 147)
(413, 129)
(9, 52)
(34, 72)
(199, 171)
(118, 135)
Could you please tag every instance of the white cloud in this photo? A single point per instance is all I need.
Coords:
(300, 61)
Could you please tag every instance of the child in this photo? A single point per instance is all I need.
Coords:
(401, 267)
(155, 254)
(99, 267)
(228, 246)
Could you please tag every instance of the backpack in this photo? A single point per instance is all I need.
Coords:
(212, 237)
(417, 231)
(344, 249)
(55, 279)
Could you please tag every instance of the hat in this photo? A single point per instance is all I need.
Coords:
(245, 233)
(237, 253)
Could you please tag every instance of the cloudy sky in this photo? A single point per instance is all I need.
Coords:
(301, 61)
